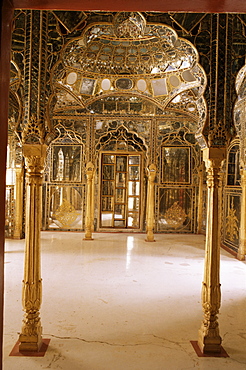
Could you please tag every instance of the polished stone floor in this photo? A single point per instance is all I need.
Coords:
(120, 303)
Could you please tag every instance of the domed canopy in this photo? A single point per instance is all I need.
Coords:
(130, 57)
(129, 47)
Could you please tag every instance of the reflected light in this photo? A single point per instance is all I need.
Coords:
(129, 245)
(10, 176)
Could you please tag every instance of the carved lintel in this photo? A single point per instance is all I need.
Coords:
(150, 214)
(90, 172)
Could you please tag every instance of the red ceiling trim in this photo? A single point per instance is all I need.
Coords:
(197, 6)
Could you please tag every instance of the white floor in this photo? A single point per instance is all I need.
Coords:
(120, 303)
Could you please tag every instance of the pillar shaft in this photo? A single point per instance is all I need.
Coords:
(242, 244)
(200, 201)
(150, 208)
(30, 337)
(89, 217)
(209, 339)
(18, 203)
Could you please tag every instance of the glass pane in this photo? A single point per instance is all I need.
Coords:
(107, 204)
(107, 188)
(65, 208)
(175, 209)
(108, 172)
(233, 169)
(120, 196)
(119, 223)
(134, 173)
(176, 164)
(66, 163)
(133, 219)
(133, 188)
(107, 219)
(120, 180)
(134, 159)
(119, 211)
(108, 158)
(121, 163)
(133, 204)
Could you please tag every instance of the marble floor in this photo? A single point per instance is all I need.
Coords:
(120, 303)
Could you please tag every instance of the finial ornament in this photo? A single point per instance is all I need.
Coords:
(129, 25)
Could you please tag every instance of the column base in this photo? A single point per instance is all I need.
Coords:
(199, 353)
(240, 256)
(87, 238)
(150, 240)
(209, 343)
(30, 343)
(41, 353)
(150, 237)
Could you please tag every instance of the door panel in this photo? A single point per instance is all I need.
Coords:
(120, 190)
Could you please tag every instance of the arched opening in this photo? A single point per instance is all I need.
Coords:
(141, 77)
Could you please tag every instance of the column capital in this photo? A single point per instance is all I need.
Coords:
(151, 172)
(34, 150)
(214, 156)
(90, 169)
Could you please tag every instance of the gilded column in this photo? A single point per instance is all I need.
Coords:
(31, 333)
(209, 339)
(18, 203)
(150, 208)
(200, 201)
(89, 217)
(242, 236)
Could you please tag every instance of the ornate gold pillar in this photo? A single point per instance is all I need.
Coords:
(150, 213)
(30, 337)
(242, 236)
(200, 201)
(18, 203)
(89, 217)
(209, 339)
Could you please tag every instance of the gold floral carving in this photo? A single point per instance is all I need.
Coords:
(232, 228)
(131, 27)
(33, 132)
(175, 216)
(66, 213)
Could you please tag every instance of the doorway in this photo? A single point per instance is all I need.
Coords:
(120, 190)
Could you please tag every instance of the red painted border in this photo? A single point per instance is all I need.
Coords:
(197, 6)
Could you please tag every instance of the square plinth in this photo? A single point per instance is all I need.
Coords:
(44, 346)
(199, 353)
